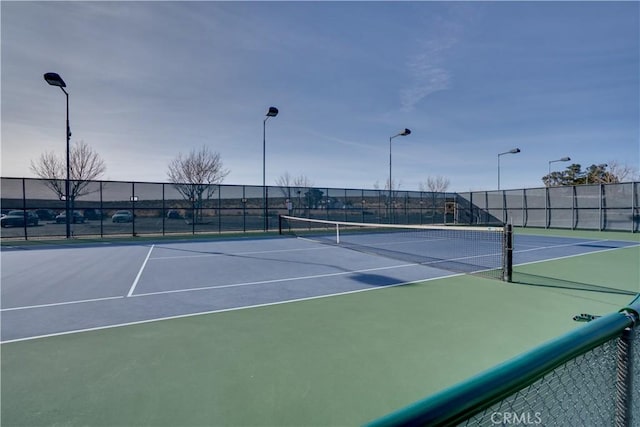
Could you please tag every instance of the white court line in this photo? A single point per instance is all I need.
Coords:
(234, 254)
(60, 303)
(264, 282)
(135, 282)
(224, 310)
(270, 281)
(571, 256)
(203, 288)
(541, 248)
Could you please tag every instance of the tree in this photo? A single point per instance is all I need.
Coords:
(595, 174)
(389, 202)
(437, 184)
(196, 175)
(85, 165)
(623, 173)
(395, 186)
(286, 182)
(598, 174)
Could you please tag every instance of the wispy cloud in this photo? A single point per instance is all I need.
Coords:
(428, 73)
(426, 68)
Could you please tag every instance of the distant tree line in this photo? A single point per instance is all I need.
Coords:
(602, 173)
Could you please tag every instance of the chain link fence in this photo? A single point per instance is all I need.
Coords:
(613, 207)
(586, 391)
(588, 377)
(110, 208)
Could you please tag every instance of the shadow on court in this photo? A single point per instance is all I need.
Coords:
(554, 282)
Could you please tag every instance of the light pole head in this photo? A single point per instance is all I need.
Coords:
(565, 159)
(273, 111)
(403, 133)
(54, 79)
(512, 151)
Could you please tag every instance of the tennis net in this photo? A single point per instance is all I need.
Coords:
(486, 251)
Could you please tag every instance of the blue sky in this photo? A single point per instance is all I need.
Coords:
(148, 80)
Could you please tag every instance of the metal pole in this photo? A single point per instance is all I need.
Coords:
(66, 184)
(264, 166)
(498, 171)
(389, 203)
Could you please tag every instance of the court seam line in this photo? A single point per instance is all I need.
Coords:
(224, 310)
(135, 282)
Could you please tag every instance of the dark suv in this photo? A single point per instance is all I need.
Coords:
(93, 214)
(46, 214)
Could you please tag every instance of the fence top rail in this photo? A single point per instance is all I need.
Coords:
(461, 401)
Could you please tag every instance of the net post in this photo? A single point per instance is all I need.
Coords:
(337, 234)
(508, 253)
(280, 225)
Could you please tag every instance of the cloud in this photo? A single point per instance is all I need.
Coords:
(427, 71)
(427, 67)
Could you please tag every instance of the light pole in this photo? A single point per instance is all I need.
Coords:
(402, 133)
(273, 111)
(512, 151)
(564, 159)
(55, 80)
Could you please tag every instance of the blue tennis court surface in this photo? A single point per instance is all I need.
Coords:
(56, 290)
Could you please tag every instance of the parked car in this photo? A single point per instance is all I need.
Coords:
(18, 219)
(76, 218)
(95, 214)
(173, 214)
(46, 214)
(122, 216)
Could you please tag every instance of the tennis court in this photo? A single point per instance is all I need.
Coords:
(275, 330)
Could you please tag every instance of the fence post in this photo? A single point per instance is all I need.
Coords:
(508, 253)
(101, 212)
(24, 208)
(574, 212)
(633, 205)
(164, 213)
(602, 218)
(624, 379)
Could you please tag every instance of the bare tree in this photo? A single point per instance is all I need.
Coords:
(197, 175)
(435, 184)
(286, 183)
(389, 196)
(622, 172)
(395, 185)
(85, 165)
(286, 180)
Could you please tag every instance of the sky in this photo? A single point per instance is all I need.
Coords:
(150, 80)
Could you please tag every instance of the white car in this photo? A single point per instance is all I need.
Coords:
(122, 216)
